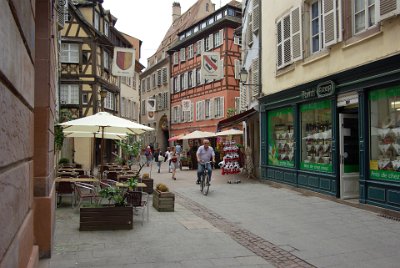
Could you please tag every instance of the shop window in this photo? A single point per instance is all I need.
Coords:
(316, 136)
(385, 131)
(281, 137)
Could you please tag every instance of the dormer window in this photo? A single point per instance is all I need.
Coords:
(106, 28)
(96, 22)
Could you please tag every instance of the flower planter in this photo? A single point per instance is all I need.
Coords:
(163, 201)
(106, 218)
(149, 185)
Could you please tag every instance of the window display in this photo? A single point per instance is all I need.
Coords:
(316, 136)
(385, 134)
(281, 137)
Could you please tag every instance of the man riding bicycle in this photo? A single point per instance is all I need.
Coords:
(204, 154)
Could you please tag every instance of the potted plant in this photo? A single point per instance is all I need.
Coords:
(149, 183)
(163, 199)
(115, 215)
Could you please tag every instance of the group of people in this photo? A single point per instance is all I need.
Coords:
(205, 153)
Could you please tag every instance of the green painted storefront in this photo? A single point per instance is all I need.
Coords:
(313, 137)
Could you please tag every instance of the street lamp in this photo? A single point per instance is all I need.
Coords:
(243, 74)
(103, 95)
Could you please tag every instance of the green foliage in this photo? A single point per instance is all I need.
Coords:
(162, 187)
(230, 112)
(132, 182)
(130, 149)
(65, 115)
(114, 195)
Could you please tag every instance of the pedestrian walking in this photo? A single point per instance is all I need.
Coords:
(158, 158)
(149, 155)
(174, 162)
(167, 158)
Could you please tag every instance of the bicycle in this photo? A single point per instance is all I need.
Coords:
(205, 179)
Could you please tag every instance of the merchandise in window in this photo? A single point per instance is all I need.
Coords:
(281, 138)
(316, 136)
(385, 134)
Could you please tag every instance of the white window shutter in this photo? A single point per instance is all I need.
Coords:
(203, 45)
(243, 97)
(388, 8)
(237, 69)
(222, 110)
(330, 22)
(296, 34)
(255, 78)
(211, 109)
(197, 110)
(211, 41)
(191, 112)
(178, 82)
(256, 18)
(279, 44)
(221, 36)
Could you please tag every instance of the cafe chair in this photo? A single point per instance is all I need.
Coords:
(65, 189)
(139, 201)
(85, 191)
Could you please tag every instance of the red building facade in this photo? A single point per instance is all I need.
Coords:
(198, 104)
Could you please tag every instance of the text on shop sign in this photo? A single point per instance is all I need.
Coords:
(324, 89)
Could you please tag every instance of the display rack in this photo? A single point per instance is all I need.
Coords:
(389, 149)
(231, 158)
(284, 141)
(318, 143)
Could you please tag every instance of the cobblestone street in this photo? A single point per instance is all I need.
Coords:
(250, 224)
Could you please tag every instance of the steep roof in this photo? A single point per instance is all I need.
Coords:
(195, 13)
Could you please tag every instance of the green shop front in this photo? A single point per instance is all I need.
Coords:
(339, 135)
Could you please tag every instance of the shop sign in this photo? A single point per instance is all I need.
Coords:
(323, 90)
(385, 175)
(316, 167)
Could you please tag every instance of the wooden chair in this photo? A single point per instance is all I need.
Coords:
(65, 189)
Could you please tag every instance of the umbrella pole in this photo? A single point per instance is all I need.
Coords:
(101, 153)
(93, 154)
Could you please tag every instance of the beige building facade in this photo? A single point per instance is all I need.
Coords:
(331, 85)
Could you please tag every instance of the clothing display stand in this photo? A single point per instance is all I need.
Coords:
(230, 164)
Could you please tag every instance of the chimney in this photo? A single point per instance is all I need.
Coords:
(176, 10)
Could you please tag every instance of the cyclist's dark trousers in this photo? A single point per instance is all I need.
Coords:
(200, 170)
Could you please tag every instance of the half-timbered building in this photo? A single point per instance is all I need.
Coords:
(87, 45)
(210, 100)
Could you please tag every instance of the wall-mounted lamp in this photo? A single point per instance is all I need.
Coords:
(243, 78)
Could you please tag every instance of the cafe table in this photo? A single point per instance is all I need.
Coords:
(73, 179)
(126, 185)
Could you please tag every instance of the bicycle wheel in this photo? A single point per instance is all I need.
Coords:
(206, 182)
(202, 183)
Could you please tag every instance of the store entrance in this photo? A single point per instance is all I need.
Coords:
(349, 155)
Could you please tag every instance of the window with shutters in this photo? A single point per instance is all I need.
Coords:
(175, 114)
(183, 54)
(316, 26)
(199, 110)
(153, 80)
(182, 81)
(109, 101)
(190, 52)
(175, 85)
(289, 39)
(143, 85)
(69, 94)
(159, 77)
(164, 75)
(364, 15)
(218, 38)
(198, 76)
(237, 40)
(178, 83)
(237, 105)
(143, 107)
(148, 83)
(209, 43)
(388, 8)
(199, 46)
(190, 79)
(69, 53)
(243, 97)
(165, 99)
(106, 60)
(106, 28)
(207, 109)
(255, 77)
(219, 107)
(175, 58)
(237, 69)
(96, 21)
(249, 31)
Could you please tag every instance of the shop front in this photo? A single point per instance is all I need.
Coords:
(339, 135)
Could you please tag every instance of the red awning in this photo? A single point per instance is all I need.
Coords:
(175, 138)
(237, 118)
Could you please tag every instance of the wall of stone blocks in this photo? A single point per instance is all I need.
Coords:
(17, 54)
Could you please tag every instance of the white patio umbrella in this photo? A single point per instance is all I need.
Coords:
(104, 122)
(107, 135)
(197, 134)
(229, 132)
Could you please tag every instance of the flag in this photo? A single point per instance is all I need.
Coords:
(123, 62)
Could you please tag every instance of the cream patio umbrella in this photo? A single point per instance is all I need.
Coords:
(229, 132)
(197, 134)
(104, 122)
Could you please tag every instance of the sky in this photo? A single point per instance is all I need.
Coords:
(147, 20)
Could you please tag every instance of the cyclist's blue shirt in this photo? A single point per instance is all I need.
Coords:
(205, 155)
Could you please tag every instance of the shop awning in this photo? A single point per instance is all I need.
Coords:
(237, 118)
